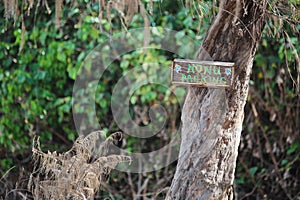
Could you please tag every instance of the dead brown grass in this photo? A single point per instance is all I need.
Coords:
(75, 174)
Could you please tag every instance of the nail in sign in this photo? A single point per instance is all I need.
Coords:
(202, 73)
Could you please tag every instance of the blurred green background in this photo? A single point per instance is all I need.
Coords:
(38, 67)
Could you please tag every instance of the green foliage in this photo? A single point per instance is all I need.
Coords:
(36, 83)
(269, 153)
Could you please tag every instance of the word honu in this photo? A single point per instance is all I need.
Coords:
(216, 70)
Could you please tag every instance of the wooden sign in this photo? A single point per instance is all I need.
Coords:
(202, 73)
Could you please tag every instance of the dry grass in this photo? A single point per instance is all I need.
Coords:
(75, 174)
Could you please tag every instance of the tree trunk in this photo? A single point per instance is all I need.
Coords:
(212, 118)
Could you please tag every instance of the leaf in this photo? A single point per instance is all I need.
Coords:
(293, 148)
(41, 75)
(284, 162)
(72, 71)
(124, 64)
(61, 56)
(133, 99)
(81, 57)
(253, 170)
(179, 35)
(103, 103)
(188, 21)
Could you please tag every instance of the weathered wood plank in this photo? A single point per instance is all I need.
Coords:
(202, 73)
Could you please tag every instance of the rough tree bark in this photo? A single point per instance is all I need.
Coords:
(212, 118)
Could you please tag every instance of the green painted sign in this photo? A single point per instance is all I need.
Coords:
(202, 73)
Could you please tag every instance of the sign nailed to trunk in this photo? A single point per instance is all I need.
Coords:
(202, 73)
